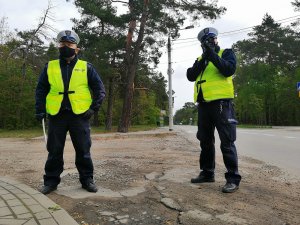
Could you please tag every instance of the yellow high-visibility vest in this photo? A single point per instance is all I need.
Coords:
(213, 84)
(78, 92)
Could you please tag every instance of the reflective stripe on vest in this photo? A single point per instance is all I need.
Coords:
(213, 84)
(78, 92)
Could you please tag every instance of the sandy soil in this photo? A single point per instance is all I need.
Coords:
(144, 178)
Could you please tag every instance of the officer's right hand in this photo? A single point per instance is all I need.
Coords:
(204, 55)
(203, 47)
(88, 114)
(40, 116)
(205, 50)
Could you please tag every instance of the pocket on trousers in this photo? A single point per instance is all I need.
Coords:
(87, 133)
(230, 131)
(228, 119)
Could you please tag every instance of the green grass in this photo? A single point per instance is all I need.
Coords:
(36, 132)
(97, 130)
(254, 126)
(26, 133)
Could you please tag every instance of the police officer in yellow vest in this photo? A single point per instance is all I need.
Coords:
(213, 92)
(63, 92)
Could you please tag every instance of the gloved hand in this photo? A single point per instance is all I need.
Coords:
(207, 48)
(88, 114)
(210, 50)
(40, 116)
(203, 46)
(204, 55)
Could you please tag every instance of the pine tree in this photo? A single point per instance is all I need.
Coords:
(147, 23)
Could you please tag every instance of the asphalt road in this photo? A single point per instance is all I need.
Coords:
(277, 146)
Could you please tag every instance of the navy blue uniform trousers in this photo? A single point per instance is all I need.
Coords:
(79, 130)
(218, 114)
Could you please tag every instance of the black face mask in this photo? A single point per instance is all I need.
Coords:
(66, 52)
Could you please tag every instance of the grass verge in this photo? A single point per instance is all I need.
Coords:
(254, 126)
(36, 132)
(26, 133)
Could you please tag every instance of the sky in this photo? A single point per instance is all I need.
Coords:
(25, 14)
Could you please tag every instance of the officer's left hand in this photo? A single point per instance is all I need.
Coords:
(209, 46)
(40, 116)
(208, 49)
(88, 114)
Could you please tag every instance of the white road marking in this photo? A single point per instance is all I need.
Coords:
(269, 135)
(266, 134)
(290, 137)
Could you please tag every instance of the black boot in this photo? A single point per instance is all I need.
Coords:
(202, 179)
(47, 189)
(90, 186)
(230, 188)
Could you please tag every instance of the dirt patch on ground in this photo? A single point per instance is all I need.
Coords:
(148, 179)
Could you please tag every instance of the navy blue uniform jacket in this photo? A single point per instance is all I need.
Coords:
(43, 86)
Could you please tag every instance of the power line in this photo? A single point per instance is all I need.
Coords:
(224, 34)
(247, 28)
(233, 32)
(184, 46)
(179, 61)
(242, 30)
(194, 42)
(184, 42)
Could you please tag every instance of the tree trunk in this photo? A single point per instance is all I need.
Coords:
(127, 104)
(131, 59)
(108, 122)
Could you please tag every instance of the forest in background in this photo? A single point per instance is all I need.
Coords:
(266, 78)
(126, 48)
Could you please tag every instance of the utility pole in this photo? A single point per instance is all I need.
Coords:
(24, 50)
(170, 71)
(170, 85)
